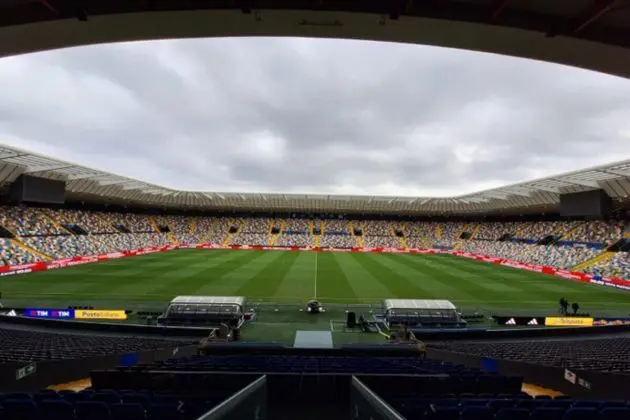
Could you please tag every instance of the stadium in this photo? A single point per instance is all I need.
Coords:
(123, 298)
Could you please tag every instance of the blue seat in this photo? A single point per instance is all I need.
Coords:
(564, 404)
(512, 414)
(531, 404)
(127, 411)
(588, 413)
(445, 402)
(110, 397)
(17, 396)
(498, 404)
(166, 399)
(92, 410)
(615, 413)
(20, 409)
(56, 409)
(613, 404)
(547, 414)
(587, 404)
(41, 396)
(141, 399)
(473, 402)
(446, 413)
(73, 397)
(477, 413)
(163, 412)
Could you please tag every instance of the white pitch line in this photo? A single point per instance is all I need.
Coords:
(315, 286)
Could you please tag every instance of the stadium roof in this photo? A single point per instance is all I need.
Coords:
(593, 34)
(88, 184)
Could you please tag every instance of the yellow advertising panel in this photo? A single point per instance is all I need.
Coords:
(568, 322)
(99, 314)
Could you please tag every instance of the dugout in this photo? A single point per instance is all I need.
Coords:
(421, 313)
(207, 311)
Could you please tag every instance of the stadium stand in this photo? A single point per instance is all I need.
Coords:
(602, 354)
(21, 346)
(41, 234)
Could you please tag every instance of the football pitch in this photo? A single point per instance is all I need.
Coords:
(292, 277)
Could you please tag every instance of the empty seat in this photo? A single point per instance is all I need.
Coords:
(470, 402)
(498, 404)
(163, 412)
(127, 411)
(512, 414)
(547, 414)
(110, 397)
(92, 410)
(581, 414)
(20, 409)
(477, 413)
(446, 413)
(56, 409)
(615, 413)
(141, 399)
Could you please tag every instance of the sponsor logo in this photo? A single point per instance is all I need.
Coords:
(14, 272)
(608, 322)
(510, 321)
(568, 322)
(100, 314)
(533, 322)
(605, 283)
(570, 376)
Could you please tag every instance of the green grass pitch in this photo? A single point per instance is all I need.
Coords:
(150, 281)
(278, 284)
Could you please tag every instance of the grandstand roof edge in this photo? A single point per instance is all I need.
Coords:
(614, 178)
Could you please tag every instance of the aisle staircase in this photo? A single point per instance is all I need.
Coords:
(402, 239)
(567, 235)
(18, 243)
(193, 225)
(459, 241)
(604, 256)
(438, 231)
(475, 231)
(273, 237)
(154, 224)
(520, 231)
(59, 226)
(228, 237)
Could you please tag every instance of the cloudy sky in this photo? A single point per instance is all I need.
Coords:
(315, 116)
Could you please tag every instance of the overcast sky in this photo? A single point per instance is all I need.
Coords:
(314, 116)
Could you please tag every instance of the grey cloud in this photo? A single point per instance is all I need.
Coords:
(346, 116)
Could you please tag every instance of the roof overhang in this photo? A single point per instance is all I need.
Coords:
(84, 182)
(591, 34)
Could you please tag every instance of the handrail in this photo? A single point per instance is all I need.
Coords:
(381, 406)
(226, 406)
